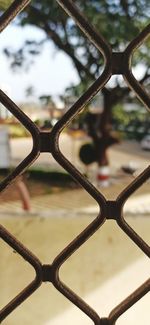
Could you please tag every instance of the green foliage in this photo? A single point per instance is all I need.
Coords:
(47, 100)
(4, 4)
(124, 117)
(118, 21)
(120, 116)
(133, 124)
(17, 131)
(51, 177)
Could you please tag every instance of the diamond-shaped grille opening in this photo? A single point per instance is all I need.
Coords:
(15, 273)
(112, 66)
(93, 274)
(127, 124)
(54, 178)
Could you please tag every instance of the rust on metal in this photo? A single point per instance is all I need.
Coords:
(47, 273)
(45, 142)
(117, 63)
(113, 210)
(105, 321)
(114, 63)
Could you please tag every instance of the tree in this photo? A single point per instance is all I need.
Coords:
(118, 21)
(29, 91)
(48, 102)
(4, 4)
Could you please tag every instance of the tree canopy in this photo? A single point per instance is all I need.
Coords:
(4, 4)
(119, 21)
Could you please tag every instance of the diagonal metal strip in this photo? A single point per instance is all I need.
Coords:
(64, 255)
(34, 131)
(55, 133)
(76, 300)
(115, 63)
(129, 302)
(32, 260)
(143, 96)
(12, 11)
(95, 38)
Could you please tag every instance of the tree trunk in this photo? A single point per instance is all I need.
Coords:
(103, 138)
(100, 130)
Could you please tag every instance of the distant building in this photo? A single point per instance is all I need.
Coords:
(34, 111)
(37, 112)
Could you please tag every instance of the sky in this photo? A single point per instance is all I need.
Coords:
(51, 73)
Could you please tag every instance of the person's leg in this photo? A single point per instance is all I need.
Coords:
(24, 194)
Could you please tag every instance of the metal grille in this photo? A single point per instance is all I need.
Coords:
(115, 63)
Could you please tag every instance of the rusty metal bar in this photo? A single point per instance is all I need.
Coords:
(142, 95)
(115, 63)
(12, 11)
(33, 261)
(35, 133)
(129, 302)
(100, 43)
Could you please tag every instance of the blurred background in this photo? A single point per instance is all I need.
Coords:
(47, 64)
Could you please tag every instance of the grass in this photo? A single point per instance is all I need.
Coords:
(39, 181)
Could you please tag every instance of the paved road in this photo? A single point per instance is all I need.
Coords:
(119, 154)
(20, 148)
(129, 151)
(97, 277)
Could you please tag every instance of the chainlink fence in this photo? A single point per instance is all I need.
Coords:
(115, 63)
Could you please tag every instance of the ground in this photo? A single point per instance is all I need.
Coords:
(35, 188)
(104, 271)
(119, 155)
